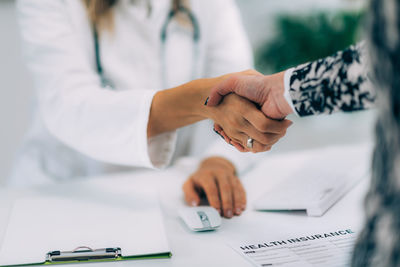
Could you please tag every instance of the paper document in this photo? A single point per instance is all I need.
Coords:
(328, 249)
(97, 218)
(316, 182)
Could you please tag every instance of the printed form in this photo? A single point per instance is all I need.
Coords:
(328, 249)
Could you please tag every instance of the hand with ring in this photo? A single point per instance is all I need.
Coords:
(244, 126)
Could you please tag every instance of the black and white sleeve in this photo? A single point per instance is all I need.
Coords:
(336, 83)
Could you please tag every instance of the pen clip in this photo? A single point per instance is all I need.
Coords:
(83, 253)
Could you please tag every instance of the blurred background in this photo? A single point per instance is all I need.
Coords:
(283, 33)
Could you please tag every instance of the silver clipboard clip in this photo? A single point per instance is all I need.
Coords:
(83, 254)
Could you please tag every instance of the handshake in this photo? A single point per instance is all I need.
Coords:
(257, 110)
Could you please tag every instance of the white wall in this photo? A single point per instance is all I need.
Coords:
(16, 88)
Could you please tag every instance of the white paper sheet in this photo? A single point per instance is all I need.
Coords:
(324, 248)
(95, 218)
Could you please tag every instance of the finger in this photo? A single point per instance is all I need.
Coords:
(217, 127)
(236, 136)
(235, 141)
(207, 182)
(251, 87)
(258, 147)
(278, 127)
(266, 125)
(239, 195)
(271, 139)
(239, 147)
(192, 198)
(236, 144)
(225, 136)
(225, 191)
(254, 123)
(218, 132)
(266, 139)
(220, 90)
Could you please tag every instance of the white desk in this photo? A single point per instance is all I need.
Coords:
(209, 248)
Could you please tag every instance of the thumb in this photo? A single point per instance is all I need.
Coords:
(252, 87)
(220, 90)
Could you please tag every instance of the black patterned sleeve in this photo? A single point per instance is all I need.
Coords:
(335, 83)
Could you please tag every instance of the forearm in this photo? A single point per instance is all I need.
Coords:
(179, 106)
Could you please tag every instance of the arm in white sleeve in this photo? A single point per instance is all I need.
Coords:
(109, 126)
(228, 50)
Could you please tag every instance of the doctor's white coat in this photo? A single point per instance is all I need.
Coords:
(80, 129)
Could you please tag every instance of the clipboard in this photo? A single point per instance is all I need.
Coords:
(79, 227)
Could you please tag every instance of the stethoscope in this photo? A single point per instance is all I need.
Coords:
(107, 84)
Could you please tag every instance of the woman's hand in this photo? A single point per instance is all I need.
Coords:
(183, 105)
(267, 91)
(238, 119)
(216, 179)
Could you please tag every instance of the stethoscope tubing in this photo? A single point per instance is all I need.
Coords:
(163, 37)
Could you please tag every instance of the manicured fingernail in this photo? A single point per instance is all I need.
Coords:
(238, 211)
(205, 104)
(229, 213)
(219, 211)
(193, 203)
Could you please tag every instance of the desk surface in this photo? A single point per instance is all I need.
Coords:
(209, 248)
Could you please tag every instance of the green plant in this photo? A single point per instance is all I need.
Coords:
(300, 39)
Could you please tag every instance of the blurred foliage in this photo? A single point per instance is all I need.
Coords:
(300, 39)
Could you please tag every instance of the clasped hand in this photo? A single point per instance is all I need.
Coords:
(250, 111)
(249, 105)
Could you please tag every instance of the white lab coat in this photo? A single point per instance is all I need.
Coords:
(80, 129)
